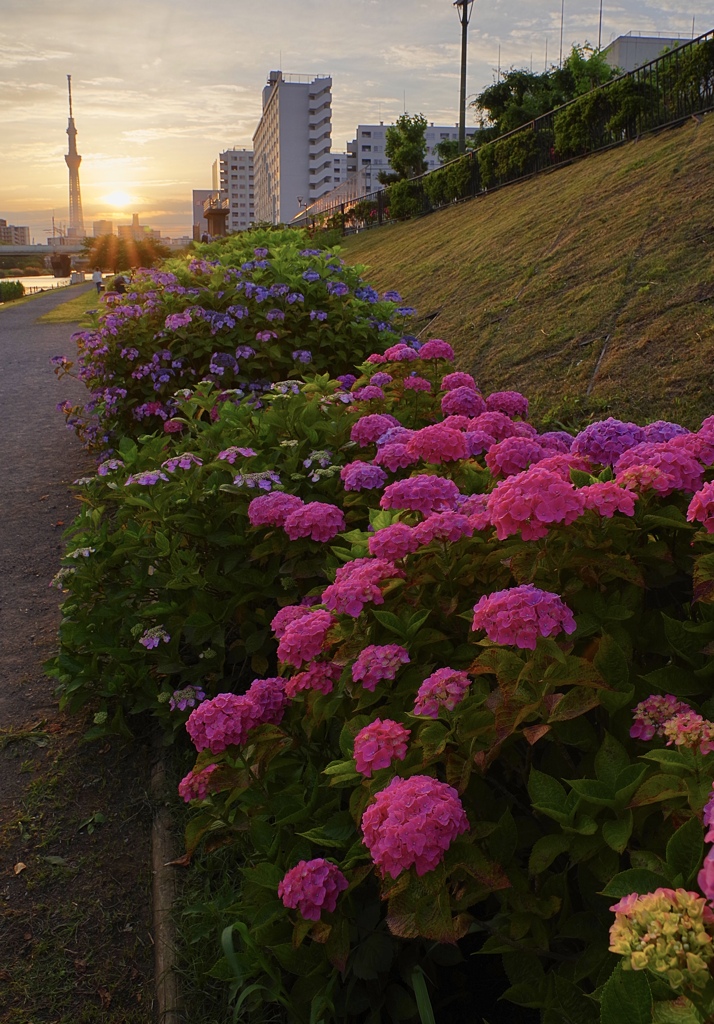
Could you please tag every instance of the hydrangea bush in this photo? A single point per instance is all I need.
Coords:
(451, 684)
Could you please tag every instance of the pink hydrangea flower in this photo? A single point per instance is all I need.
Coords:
(643, 478)
(394, 456)
(423, 494)
(311, 887)
(497, 424)
(705, 878)
(197, 784)
(356, 584)
(513, 455)
(708, 818)
(401, 353)
(437, 444)
(269, 698)
(475, 506)
(273, 509)
(701, 507)
(317, 520)
(412, 823)
(700, 446)
(435, 348)
(688, 729)
(681, 471)
(607, 498)
(362, 476)
(304, 638)
(463, 401)
(222, 722)
(444, 688)
(368, 428)
(563, 462)
(663, 430)
(376, 663)
(557, 440)
(530, 502)
(458, 380)
(319, 675)
(416, 384)
(287, 615)
(513, 403)
(650, 715)
(393, 542)
(376, 357)
(444, 526)
(378, 744)
(520, 615)
(456, 422)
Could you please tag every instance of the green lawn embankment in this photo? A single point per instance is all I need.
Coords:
(590, 288)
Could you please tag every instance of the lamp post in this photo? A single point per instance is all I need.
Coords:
(463, 8)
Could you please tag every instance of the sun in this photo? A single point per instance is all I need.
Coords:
(118, 199)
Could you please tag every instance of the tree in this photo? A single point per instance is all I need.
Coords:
(114, 254)
(521, 96)
(405, 148)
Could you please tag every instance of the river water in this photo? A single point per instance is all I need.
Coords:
(40, 284)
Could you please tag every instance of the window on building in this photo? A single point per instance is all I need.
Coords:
(366, 149)
(366, 135)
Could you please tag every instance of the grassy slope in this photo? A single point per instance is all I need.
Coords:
(590, 289)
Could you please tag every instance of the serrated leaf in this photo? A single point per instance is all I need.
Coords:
(657, 788)
(626, 998)
(617, 833)
(545, 850)
(685, 850)
(610, 760)
(638, 880)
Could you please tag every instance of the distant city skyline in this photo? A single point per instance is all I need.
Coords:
(160, 89)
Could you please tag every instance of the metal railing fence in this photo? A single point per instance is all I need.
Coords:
(666, 91)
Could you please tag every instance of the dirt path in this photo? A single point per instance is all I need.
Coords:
(75, 941)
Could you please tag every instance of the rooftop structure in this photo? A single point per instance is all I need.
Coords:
(631, 51)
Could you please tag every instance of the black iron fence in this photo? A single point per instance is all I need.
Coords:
(668, 90)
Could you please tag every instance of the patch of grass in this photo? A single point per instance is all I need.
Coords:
(72, 311)
(532, 279)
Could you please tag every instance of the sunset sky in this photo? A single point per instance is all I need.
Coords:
(160, 87)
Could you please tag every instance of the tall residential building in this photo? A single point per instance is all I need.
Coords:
(102, 227)
(233, 178)
(10, 234)
(292, 158)
(136, 231)
(366, 151)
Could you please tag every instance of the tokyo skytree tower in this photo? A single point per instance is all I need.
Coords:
(73, 160)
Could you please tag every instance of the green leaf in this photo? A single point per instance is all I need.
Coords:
(680, 1011)
(611, 663)
(336, 834)
(638, 880)
(675, 680)
(421, 994)
(659, 787)
(610, 760)
(373, 956)
(594, 791)
(545, 850)
(391, 622)
(626, 998)
(670, 759)
(546, 792)
(617, 833)
(685, 850)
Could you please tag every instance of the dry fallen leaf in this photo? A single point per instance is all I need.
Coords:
(19, 867)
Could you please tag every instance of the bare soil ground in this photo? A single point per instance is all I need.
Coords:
(75, 818)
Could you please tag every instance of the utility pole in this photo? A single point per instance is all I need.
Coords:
(463, 8)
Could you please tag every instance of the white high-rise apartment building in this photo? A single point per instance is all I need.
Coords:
(232, 176)
(292, 158)
(366, 151)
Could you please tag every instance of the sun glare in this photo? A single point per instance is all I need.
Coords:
(117, 199)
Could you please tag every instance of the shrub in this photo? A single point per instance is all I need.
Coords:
(405, 199)
(11, 290)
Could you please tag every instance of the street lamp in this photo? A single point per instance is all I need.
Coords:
(463, 8)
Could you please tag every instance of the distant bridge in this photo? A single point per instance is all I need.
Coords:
(71, 248)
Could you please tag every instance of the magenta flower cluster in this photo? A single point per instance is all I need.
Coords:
(412, 823)
(437, 443)
(393, 542)
(197, 784)
(311, 887)
(701, 508)
(319, 675)
(369, 428)
(444, 688)
(357, 584)
(303, 638)
(520, 615)
(362, 476)
(378, 662)
(423, 494)
(379, 744)
(316, 520)
(530, 502)
(227, 719)
(273, 509)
